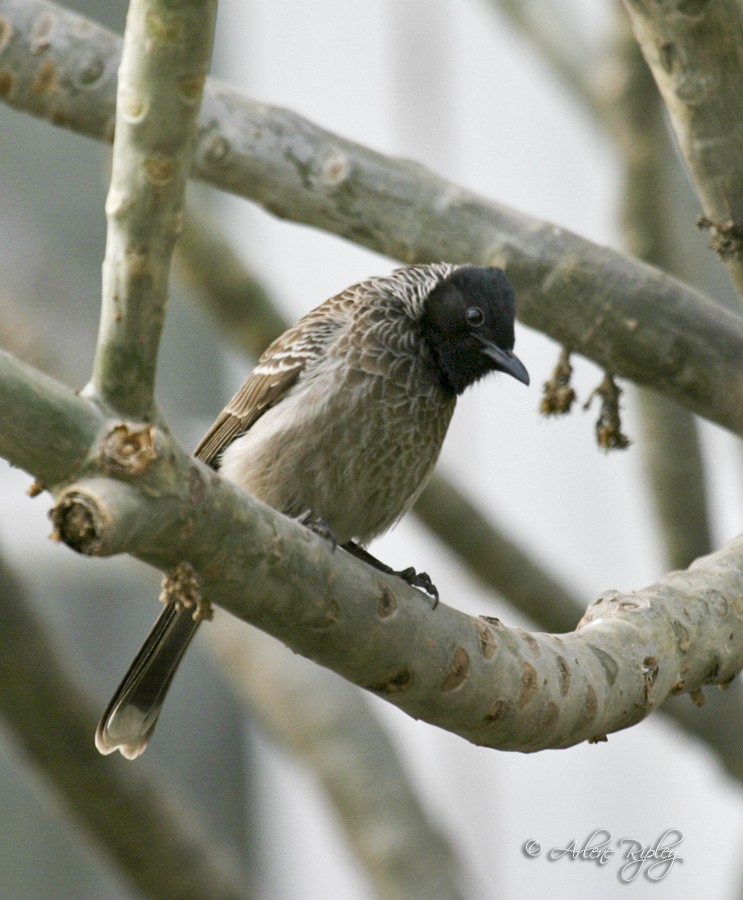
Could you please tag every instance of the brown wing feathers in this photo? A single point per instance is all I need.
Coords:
(277, 370)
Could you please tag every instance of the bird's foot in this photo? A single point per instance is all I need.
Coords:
(420, 580)
(319, 527)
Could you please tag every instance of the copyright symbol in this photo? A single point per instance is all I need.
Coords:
(532, 848)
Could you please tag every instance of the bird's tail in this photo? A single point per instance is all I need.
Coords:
(131, 716)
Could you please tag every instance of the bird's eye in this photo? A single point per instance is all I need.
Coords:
(474, 316)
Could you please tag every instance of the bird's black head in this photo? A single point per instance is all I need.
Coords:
(468, 324)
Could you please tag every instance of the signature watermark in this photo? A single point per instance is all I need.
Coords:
(653, 861)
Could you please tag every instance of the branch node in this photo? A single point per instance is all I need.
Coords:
(726, 238)
(609, 435)
(80, 522)
(386, 602)
(182, 587)
(127, 451)
(396, 683)
(458, 671)
(488, 643)
(35, 488)
(558, 395)
(697, 697)
(650, 673)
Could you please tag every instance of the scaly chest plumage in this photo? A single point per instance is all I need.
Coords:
(353, 441)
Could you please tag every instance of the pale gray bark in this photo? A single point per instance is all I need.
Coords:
(693, 51)
(492, 685)
(166, 54)
(631, 319)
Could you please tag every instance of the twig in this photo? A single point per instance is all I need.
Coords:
(165, 57)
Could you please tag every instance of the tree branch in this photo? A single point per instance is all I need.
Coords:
(694, 55)
(492, 685)
(47, 429)
(166, 52)
(631, 319)
(245, 310)
(670, 448)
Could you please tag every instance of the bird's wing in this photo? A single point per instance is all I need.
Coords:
(275, 373)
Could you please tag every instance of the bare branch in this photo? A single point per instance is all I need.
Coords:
(694, 54)
(492, 685)
(47, 429)
(631, 319)
(166, 52)
(671, 448)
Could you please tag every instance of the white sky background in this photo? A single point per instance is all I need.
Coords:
(448, 84)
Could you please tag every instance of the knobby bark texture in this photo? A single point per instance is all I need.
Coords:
(167, 49)
(694, 52)
(244, 309)
(671, 450)
(631, 319)
(495, 686)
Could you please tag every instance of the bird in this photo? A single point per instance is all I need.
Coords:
(340, 425)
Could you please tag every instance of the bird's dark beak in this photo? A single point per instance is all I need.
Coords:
(506, 360)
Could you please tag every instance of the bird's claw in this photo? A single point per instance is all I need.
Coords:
(319, 527)
(421, 580)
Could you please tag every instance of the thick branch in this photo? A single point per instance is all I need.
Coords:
(165, 59)
(631, 319)
(492, 685)
(694, 53)
(245, 310)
